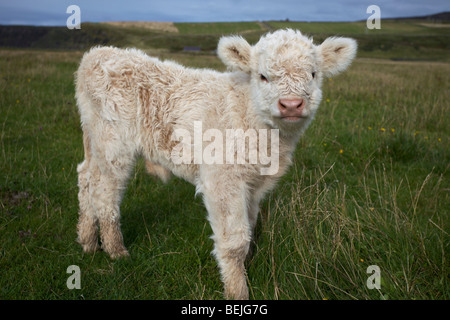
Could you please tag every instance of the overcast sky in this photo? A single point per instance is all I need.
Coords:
(53, 12)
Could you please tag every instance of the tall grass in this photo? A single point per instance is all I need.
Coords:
(319, 241)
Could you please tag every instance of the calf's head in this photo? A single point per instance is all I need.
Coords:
(285, 72)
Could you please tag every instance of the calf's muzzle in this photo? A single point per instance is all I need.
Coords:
(291, 109)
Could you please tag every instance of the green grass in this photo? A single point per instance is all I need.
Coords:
(369, 186)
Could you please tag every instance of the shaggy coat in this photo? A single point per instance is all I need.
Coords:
(132, 105)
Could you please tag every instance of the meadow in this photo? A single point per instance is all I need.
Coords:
(369, 184)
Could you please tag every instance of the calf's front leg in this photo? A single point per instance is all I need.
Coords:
(225, 201)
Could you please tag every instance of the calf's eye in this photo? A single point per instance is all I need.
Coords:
(313, 75)
(263, 78)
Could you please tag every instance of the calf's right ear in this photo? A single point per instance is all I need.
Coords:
(235, 53)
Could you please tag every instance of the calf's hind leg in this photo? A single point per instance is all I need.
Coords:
(106, 195)
(102, 181)
(101, 191)
(87, 227)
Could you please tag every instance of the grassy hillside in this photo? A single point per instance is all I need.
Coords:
(404, 39)
(369, 184)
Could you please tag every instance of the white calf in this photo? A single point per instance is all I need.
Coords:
(131, 104)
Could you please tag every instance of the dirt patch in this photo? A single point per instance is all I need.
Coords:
(9, 200)
(150, 25)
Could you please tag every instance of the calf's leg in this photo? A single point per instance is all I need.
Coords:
(87, 227)
(107, 194)
(227, 214)
(102, 181)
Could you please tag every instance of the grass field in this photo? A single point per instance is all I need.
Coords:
(369, 185)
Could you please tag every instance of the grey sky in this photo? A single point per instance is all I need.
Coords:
(53, 12)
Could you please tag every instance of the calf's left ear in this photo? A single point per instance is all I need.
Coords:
(337, 54)
(235, 53)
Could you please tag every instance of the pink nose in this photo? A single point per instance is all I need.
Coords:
(291, 107)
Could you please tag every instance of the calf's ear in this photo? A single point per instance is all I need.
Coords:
(337, 54)
(235, 53)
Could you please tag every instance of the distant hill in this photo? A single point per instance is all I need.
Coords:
(55, 37)
(140, 34)
(437, 17)
(412, 38)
